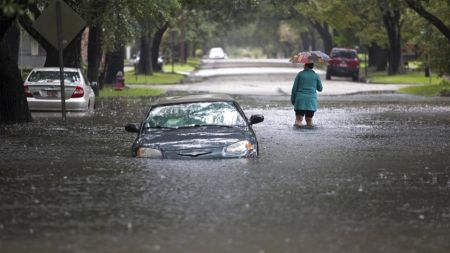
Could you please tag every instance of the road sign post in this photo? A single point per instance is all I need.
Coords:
(59, 33)
(59, 25)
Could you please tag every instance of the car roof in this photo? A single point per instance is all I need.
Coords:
(194, 99)
(56, 69)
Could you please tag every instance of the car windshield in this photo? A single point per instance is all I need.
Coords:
(194, 115)
(53, 76)
(343, 54)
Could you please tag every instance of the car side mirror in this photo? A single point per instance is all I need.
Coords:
(255, 119)
(132, 128)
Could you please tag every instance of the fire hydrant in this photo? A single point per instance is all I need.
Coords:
(120, 81)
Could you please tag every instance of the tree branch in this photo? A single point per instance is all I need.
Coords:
(419, 9)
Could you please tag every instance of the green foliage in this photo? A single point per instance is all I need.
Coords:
(206, 22)
(246, 52)
(11, 8)
(432, 45)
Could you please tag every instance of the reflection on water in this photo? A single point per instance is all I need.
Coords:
(371, 173)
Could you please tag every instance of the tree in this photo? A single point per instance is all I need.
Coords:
(317, 14)
(431, 46)
(118, 28)
(94, 13)
(13, 103)
(391, 18)
(153, 22)
(206, 23)
(438, 23)
(156, 44)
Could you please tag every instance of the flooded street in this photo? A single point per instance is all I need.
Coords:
(373, 176)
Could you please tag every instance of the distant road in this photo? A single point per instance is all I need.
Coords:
(263, 77)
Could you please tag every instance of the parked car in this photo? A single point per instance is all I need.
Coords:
(344, 62)
(160, 60)
(195, 126)
(43, 90)
(217, 53)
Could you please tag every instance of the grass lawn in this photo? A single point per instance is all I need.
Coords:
(166, 77)
(156, 78)
(411, 77)
(127, 92)
(189, 66)
(427, 90)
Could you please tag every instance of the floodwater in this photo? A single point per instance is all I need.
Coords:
(373, 176)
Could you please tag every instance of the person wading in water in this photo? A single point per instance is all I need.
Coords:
(304, 95)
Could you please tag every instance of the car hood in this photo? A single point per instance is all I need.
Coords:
(192, 138)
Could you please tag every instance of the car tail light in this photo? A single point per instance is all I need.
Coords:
(78, 93)
(27, 91)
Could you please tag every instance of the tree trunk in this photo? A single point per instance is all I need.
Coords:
(115, 64)
(155, 47)
(391, 20)
(193, 48)
(378, 57)
(71, 55)
(313, 41)
(324, 32)
(13, 103)
(94, 52)
(145, 59)
(182, 52)
(305, 41)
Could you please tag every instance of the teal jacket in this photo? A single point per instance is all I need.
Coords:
(304, 94)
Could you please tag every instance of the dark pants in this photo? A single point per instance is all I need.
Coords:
(307, 113)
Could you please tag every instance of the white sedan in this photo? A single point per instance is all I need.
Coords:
(217, 53)
(43, 90)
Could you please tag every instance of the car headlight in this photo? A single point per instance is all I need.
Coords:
(241, 148)
(148, 153)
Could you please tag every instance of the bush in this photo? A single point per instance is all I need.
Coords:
(445, 92)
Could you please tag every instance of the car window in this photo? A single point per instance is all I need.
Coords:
(192, 114)
(343, 54)
(52, 76)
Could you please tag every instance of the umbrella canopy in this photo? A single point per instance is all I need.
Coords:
(310, 57)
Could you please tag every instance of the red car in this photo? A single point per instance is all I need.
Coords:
(344, 62)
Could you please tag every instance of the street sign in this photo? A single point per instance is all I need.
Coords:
(71, 24)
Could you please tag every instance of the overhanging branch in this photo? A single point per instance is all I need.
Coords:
(419, 9)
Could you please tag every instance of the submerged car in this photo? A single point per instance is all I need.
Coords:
(43, 90)
(343, 62)
(195, 126)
